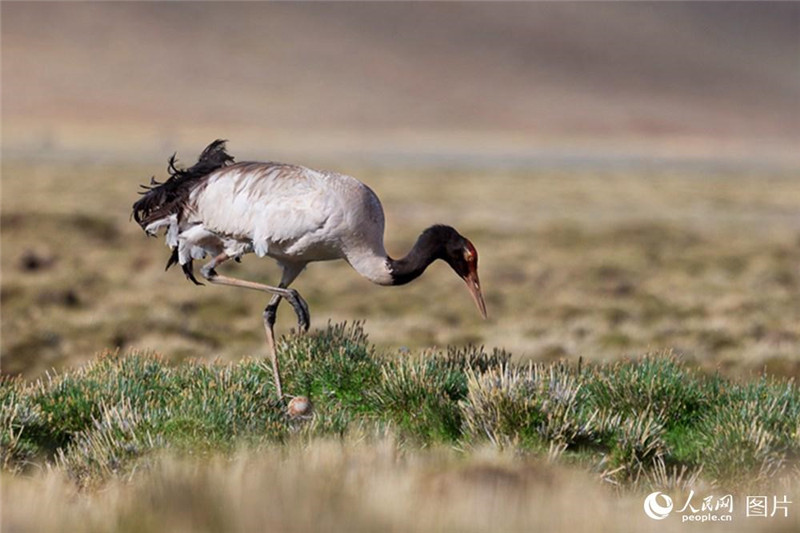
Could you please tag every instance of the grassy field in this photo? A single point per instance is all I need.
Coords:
(434, 426)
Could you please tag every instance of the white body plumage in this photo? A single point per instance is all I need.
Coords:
(293, 214)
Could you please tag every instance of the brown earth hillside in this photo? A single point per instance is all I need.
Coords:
(144, 74)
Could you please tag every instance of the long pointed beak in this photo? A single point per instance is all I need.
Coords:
(474, 286)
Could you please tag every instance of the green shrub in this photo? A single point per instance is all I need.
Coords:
(639, 447)
(752, 434)
(537, 405)
(334, 367)
(116, 438)
(635, 421)
(421, 395)
(658, 385)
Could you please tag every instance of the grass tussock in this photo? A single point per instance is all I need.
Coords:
(631, 421)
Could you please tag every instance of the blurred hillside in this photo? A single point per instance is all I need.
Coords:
(148, 78)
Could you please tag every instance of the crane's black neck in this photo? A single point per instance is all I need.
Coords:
(430, 246)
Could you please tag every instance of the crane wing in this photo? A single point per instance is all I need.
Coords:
(271, 205)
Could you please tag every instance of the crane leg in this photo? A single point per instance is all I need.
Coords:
(269, 322)
(292, 296)
(298, 303)
(290, 272)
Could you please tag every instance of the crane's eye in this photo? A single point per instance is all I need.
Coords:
(470, 254)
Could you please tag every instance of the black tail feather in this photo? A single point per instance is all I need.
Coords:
(161, 199)
(173, 258)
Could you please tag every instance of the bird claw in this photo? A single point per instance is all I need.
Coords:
(301, 309)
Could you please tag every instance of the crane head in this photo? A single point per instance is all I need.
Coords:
(462, 257)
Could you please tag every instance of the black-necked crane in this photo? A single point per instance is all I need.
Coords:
(292, 214)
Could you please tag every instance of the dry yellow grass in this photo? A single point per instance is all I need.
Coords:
(357, 485)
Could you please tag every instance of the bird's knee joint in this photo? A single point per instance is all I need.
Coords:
(270, 312)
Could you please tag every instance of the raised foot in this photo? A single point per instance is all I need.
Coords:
(300, 308)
